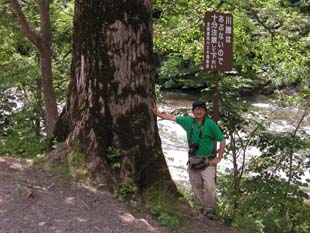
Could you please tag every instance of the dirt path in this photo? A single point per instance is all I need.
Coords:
(35, 201)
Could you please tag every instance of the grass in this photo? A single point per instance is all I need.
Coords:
(170, 211)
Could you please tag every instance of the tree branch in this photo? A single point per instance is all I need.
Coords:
(293, 142)
(31, 34)
(44, 21)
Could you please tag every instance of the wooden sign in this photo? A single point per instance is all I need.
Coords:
(218, 51)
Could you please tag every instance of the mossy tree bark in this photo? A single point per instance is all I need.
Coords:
(111, 91)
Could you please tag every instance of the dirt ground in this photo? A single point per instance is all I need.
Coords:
(37, 201)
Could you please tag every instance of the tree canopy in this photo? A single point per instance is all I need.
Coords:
(271, 41)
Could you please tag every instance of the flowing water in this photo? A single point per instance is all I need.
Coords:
(174, 141)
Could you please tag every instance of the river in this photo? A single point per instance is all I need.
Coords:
(173, 137)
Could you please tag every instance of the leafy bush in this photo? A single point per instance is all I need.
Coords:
(164, 205)
(127, 191)
(266, 204)
(21, 137)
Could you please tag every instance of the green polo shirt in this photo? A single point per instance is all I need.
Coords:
(211, 133)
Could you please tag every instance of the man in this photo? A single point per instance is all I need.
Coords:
(202, 134)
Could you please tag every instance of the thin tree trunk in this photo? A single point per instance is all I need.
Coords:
(236, 170)
(42, 42)
(48, 90)
(39, 106)
(111, 91)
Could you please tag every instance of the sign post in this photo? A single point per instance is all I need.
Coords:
(215, 116)
(218, 51)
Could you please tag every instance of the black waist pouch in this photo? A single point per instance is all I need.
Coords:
(197, 163)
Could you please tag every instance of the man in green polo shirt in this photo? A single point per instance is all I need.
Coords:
(202, 134)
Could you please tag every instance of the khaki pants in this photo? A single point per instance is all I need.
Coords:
(203, 186)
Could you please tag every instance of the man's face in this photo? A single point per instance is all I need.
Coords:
(199, 112)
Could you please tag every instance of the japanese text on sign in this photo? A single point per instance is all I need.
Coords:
(218, 41)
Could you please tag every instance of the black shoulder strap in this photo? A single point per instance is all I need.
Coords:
(200, 133)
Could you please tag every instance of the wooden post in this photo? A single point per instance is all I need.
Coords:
(216, 97)
(215, 116)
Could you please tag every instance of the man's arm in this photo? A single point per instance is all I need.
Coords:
(220, 155)
(164, 116)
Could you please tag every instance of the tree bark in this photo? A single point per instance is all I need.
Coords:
(111, 91)
(42, 41)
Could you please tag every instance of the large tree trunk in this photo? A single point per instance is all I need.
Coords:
(111, 91)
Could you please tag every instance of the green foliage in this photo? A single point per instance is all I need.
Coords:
(76, 161)
(271, 44)
(159, 97)
(273, 204)
(22, 143)
(114, 157)
(75, 158)
(188, 196)
(22, 122)
(20, 132)
(61, 13)
(7, 104)
(165, 206)
(127, 191)
(271, 41)
(255, 196)
(176, 72)
(61, 167)
(265, 205)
